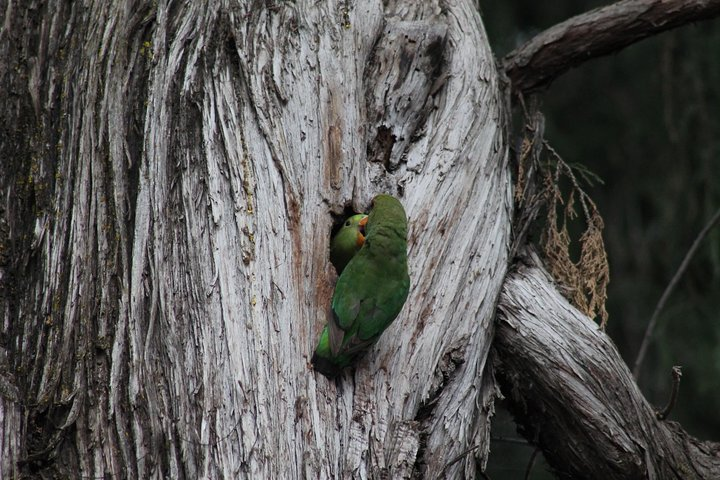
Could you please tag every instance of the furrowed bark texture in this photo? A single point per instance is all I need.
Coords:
(572, 394)
(602, 31)
(170, 174)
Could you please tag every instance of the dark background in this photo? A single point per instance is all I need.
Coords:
(646, 121)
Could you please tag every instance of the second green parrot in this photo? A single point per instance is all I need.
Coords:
(348, 241)
(370, 292)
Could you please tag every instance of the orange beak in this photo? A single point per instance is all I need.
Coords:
(361, 238)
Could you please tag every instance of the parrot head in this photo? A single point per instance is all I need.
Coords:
(348, 241)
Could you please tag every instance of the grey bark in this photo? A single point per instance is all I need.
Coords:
(573, 396)
(171, 174)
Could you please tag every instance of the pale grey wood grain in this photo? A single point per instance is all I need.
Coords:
(202, 149)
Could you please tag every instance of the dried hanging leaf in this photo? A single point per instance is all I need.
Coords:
(583, 282)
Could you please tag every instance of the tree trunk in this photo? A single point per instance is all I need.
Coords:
(172, 175)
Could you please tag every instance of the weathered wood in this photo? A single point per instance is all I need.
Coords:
(170, 176)
(572, 394)
(186, 161)
(605, 30)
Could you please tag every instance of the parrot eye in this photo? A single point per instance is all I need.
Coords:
(347, 224)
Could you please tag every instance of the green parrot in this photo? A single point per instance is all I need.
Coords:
(370, 292)
(347, 241)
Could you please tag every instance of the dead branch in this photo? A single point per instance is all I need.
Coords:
(669, 289)
(534, 65)
(573, 395)
(676, 373)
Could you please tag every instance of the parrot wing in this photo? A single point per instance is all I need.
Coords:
(365, 302)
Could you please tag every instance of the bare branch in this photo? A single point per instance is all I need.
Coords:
(669, 289)
(531, 463)
(676, 375)
(534, 65)
(573, 395)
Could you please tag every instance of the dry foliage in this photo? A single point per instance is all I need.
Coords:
(584, 282)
